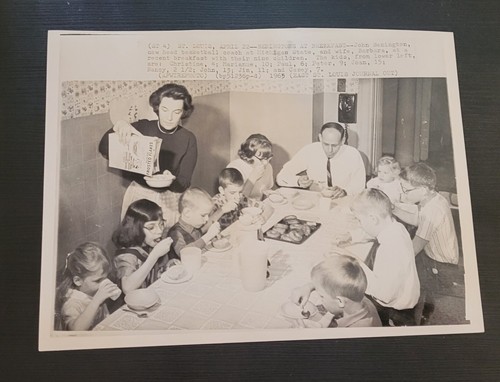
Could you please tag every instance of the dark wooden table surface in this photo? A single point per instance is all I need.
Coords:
(23, 39)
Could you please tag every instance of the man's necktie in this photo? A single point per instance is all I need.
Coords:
(370, 259)
(328, 173)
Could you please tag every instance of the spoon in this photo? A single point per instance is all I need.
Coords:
(138, 314)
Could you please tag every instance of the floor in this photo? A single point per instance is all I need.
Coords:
(450, 301)
(449, 305)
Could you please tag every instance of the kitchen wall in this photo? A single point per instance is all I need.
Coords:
(210, 123)
(90, 194)
(286, 119)
(226, 113)
(325, 109)
(422, 122)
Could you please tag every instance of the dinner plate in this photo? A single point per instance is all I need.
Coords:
(252, 211)
(141, 299)
(288, 192)
(280, 203)
(167, 279)
(291, 310)
(302, 204)
(247, 223)
(213, 249)
(275, 197)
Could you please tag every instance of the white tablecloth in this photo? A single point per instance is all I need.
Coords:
(215, 298)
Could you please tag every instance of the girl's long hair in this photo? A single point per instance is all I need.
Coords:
(86, 259)
(130, 233)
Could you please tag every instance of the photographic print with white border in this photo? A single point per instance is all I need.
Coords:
(395, 93)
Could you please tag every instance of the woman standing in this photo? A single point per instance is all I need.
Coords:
(178, 153)
(253, 163)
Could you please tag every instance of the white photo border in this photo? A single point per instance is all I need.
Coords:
(66, 49)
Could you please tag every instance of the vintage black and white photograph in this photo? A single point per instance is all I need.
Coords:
(239, 209)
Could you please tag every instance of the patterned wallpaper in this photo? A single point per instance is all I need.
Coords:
(273, 86)
(330, 86)
(83, 98)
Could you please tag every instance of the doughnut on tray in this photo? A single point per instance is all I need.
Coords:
(290, 229)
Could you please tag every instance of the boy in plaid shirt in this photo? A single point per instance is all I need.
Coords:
(229, 202)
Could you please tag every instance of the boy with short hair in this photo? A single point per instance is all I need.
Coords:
(341, 284)
(195, 206)
(393, 281)
(436, 235)
(230, 201)
(435, 243)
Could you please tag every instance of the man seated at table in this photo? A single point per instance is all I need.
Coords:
(341, 284)
(393, 281)
(328, 161)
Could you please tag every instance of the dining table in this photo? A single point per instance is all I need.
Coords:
(215, 297)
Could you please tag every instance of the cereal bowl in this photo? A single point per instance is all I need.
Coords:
(160, 180)
(303, 203)
(246, 219)
(221, 243)
(251, 211)
(141, 299)
(288, 192)
(327, 192)
(176, 274)
(276, 198)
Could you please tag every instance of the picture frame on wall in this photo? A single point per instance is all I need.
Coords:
(347, 108)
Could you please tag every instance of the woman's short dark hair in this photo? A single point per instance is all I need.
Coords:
(130, 233)
(174, 91)
(255, 144)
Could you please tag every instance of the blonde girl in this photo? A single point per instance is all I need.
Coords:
(84, 288)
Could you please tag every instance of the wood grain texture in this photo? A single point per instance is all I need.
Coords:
(24, 26)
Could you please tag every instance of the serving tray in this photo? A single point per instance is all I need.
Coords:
(305, 227)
